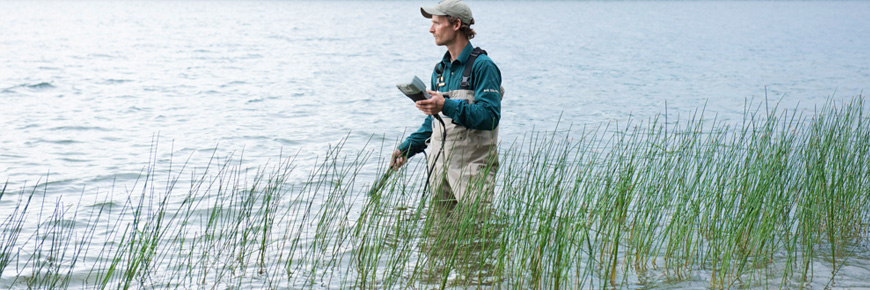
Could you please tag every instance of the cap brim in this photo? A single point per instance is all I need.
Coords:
(429, 11)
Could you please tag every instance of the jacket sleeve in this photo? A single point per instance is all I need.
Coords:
(416, 142)
(485, 113)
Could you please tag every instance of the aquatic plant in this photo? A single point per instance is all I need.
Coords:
(780, 199)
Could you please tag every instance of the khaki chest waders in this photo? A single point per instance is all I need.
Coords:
(467, 166)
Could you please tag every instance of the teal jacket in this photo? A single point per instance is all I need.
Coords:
(484, 114)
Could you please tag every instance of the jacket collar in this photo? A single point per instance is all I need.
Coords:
(463, 57)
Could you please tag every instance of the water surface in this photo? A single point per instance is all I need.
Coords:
(92, 92)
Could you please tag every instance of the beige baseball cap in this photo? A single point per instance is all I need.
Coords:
(453, 8)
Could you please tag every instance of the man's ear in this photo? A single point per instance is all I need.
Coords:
(457, 24)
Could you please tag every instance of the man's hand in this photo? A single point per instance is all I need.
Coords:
(433, 105)
(397, 160)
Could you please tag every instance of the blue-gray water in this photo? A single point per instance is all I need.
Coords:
(88, 87)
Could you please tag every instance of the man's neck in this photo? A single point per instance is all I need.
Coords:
(457, 46)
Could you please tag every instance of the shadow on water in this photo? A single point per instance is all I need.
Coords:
(459, 246)
(442, 245)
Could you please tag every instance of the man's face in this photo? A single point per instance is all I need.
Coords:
(443, 31)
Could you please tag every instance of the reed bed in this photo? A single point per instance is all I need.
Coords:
(779, 200)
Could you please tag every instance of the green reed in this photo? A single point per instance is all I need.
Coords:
(759, 203)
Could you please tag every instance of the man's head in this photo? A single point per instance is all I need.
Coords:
(449, 17)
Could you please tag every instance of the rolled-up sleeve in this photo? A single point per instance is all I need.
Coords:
(416, 142)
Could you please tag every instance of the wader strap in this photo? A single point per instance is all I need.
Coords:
(439, 80)
(466, 74)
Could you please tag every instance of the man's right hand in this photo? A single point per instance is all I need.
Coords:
(397, 160)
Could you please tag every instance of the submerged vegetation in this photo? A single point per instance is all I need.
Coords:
(777, 200)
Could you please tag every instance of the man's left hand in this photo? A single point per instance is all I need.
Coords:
(433, 105)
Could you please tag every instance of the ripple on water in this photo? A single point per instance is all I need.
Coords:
(287, 142)
(42, 85)
(47, 141)
(79, 128)
(61, 223)
(98, 55)
(233, 83)
(105, 205)
(134, 109)
(74, 160)
(29, 126)
(116, 81)
(33, 87)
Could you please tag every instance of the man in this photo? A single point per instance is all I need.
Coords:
(465, 169)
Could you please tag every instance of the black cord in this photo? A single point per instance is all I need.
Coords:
(435, 161)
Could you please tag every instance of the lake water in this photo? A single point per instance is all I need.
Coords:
(92, 91)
